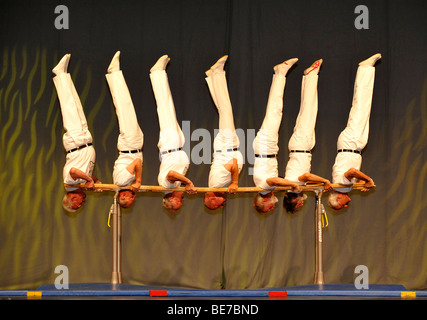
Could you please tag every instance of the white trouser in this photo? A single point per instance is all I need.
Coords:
(226, 137)
(171, 136)
(303, 137)
(75, 125)
(267, 138)
(226, 140)
(355, 135)
(131, 136)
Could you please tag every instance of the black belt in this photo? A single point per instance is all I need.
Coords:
(227, 150)
(349, 150)
(132, 151)
(171, 150)
(300, 151)
(80, 147)
(266, 155)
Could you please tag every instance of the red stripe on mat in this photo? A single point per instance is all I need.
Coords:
(158, 293)
(277, 294)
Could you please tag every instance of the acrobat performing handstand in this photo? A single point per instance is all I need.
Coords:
(227, 160)
(353, 139)
(128, 166)
(174, 161)
(77, 140)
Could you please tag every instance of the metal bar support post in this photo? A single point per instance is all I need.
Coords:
(116, 277)
(318, 270)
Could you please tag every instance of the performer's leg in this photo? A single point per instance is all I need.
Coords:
(355, 135)
(78, 104)
(219, 91)
(217, 83)
(171, 135)
(131, 136)
(273, 114)
(303, 137)
(267, 138)
(266, 141)
(74, 120)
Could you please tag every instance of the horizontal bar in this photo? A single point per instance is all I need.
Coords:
(146, 188)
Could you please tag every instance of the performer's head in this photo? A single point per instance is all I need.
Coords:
(214, 200)
(292, 201)
(126, 198)
(73, 200)
(265, 203)
(338, 200)
(173, 201)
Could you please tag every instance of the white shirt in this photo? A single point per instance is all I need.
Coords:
(177, 161)
(219, 177)
(298, 164)
(121, 176)
(265, 168)
(343, 162)
(84, 160)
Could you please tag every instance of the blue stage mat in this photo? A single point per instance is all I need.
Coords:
(110, 290)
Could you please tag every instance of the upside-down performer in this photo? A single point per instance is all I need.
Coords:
(174, 161)
(352, 140)
(302, 141)
(227, 160)
(77, 140)
(128, 166)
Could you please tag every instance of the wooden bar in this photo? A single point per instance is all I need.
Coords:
(146, 188)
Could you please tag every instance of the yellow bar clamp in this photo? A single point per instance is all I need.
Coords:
(325, 222)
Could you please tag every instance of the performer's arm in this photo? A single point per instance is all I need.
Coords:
(135, 167)
(354, 173)
(312, 178)
(79, 174)
(174, 176)
(234, 169)
(281, 182)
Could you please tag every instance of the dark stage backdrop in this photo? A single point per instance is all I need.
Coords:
(233, 248)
